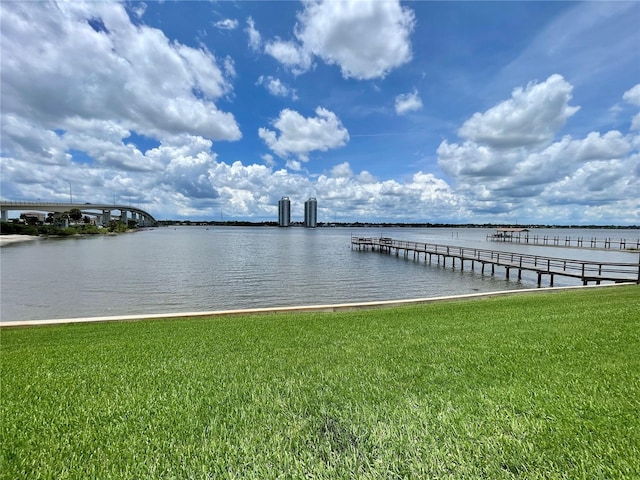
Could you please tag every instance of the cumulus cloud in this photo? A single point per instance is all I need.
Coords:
(366, 39)
(342, 170)
(530, 117)
(138, 8)
(598, 182)
(88, 63)
(268, 159)
(408, 102)
(294, 165)
(275, 87)
(511, 153)
(632, 96)
(226, 24)
(290, 54)
(255, 39)
(422, 197)
(300, 136)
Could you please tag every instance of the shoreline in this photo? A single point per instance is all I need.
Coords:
(15, 238)
(294, 309)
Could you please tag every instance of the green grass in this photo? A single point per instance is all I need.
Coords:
(525, 386)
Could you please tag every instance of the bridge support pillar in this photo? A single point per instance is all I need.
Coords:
(123, 216)
(5, 215)
(106, 217)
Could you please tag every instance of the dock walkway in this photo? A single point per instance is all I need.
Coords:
(565, 241)
(584, 270)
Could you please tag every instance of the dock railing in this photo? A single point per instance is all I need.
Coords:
(569, 242)
(585, 270)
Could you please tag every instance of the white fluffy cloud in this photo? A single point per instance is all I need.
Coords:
(366, 39)
(77, 60)
(290, 54)
(511, 154)
(300, 136)
(80, 76)
(632, 96)
(408, 102)
(226, 24)
(531, 116)
(358, 197)
(275, 87)
(342, 170)
(255, 39)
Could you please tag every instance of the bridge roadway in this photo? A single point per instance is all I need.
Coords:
(144, 218)
(586, 271)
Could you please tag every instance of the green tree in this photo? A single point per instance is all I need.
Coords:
(117, 226)
(29, 219)
(75, 214)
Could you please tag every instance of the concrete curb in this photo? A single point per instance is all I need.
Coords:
(295, 309)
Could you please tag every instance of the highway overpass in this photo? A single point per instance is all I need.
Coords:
(102, 211)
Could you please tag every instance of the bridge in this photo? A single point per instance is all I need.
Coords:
(584, 270)
(102, 211)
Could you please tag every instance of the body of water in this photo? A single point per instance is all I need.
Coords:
(166, 270)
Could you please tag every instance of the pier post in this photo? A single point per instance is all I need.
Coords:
(586, 271)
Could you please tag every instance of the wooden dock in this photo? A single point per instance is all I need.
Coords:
(584, 270)
(523, 236)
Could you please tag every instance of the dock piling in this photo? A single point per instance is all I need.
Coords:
(583, 270)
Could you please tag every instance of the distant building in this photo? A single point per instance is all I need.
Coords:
(284, 212)
(311, 213)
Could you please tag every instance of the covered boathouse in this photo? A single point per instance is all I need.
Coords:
(508, 234)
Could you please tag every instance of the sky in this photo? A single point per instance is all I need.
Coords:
(385, 111)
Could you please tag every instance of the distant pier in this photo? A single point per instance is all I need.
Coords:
(585, 270)
(522, 235)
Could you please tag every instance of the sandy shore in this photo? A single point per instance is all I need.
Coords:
(9, 239)
(296, 309)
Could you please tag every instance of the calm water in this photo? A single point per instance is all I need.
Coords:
(196, 268)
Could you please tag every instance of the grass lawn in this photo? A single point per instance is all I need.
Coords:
(542, 385)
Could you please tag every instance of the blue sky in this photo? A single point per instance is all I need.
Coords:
(463, 112)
